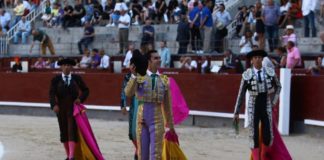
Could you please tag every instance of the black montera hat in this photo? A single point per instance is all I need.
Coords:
(140, 62)
(253, 53)
(66, 61)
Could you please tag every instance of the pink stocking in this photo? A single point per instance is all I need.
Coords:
(66, 147)
(71, 149)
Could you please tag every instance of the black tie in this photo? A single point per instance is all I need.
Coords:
(66, 80)
(259, 76)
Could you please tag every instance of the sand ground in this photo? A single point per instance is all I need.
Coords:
(37, 138)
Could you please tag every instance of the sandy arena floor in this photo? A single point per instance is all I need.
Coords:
(36, 138)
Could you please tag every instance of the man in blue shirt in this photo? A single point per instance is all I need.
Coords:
(271, 14)
(206, 24)
(194, 19)
(165, 55)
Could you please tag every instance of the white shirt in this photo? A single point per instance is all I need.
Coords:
(285, 8)
(27, 5)
(69, 78)
(104, 62)
(256, 73)
(323, 62)
(149, 73)
(56, 66)
(124, 18)
(120, 6)
(267, 63)
(223, 17)
(247, 47)
(24, 26)
(308, 6)
(85, 62)
(128, 56)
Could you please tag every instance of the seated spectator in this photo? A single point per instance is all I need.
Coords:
(97, 14)
(114, 17)
(188, 63)
(23, 31)
(136, 9)
(47, 15)
(284, 13)
(17, 67)
(247, 42)
(282, 59)
(205, 65)
(165, 55)
(289, 35)
(148, 10)
(231, 61)
(88, 37)
(39, 64)
(293, 56)
(50, 64)
(18, 11)
(148, 33)
(78, 13)
(67, 20)
(319, 65)
(173, 8)
(86, 59)
(160, 10)
(183, 35)
(56, 66)
(128, 56)
(5, 18)
(321, 11)
(295, 12)
(95, 58)
(104, 60)
(57, 14)
(108, 9)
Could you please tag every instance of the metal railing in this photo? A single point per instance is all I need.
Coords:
(4, 40)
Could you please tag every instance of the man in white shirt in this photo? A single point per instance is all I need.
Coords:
(24, 29)
(5, 18)
(308, 8)
(221, 19)
(104, 61)
(322, 38)
(128, 56)
(123, 26)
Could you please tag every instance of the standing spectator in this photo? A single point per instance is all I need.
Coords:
(308, 8)
(165, 55)
(128, 56)
(137, 11)
(24, 29)
(206, 25)
(19, 11)
(194, 19)
(39, 64)
(270, 14)
(259, 26)
(251, 18)
(221, 19)
(123, 26)
(45, 41)
(86, 59)
(241, 20)
(95, 59)
(183, 34)
(191, 4)
(293, 57)
(183, 7)
(160, 9)
(104, 60)
(289, 36)
(322, 11)
(247, 42)
(322, 38)
(148, 33)
(88, 36)
(173, 5)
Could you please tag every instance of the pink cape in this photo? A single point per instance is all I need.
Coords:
(179, 106)
(86, 131)
(278, 149)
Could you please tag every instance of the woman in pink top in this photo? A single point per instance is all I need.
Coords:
(289, 36)
(293, 57)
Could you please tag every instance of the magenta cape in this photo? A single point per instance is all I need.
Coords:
(179, 106)
(86, 131)
(278, 149)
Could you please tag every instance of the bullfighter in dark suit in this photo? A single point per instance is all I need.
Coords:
(64, 92)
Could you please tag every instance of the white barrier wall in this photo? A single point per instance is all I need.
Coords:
(284, 104)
